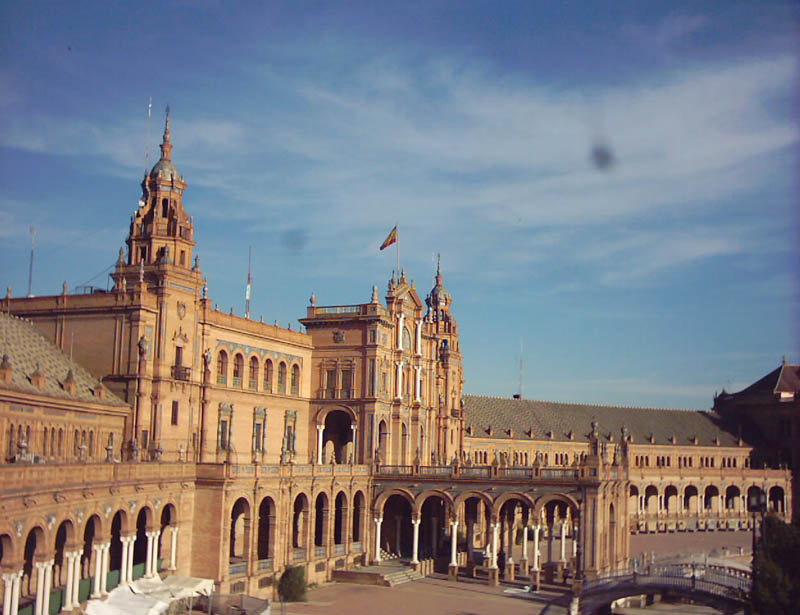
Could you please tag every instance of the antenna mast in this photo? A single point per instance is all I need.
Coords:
(519, 392)
(30, 267)
(249, 281)
(147, 144)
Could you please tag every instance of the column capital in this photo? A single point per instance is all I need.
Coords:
(378, 519)
(416, 521)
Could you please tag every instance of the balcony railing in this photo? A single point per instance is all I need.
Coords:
(265, 564)
(237, 568)
(179, 372)
(356, 547)
(320, 551)
(338, 549)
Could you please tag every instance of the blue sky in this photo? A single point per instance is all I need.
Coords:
(307, 130)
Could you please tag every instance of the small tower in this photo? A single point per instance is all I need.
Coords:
(161, 231)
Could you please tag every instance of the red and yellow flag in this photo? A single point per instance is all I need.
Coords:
(390, 239)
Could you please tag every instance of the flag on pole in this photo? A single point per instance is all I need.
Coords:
(392, 238)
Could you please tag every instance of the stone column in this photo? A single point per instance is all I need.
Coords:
(575, 541)
(8, 583)
(563, 544)
(417, 382)
(399, 379)
(354, 429)
(104, 569)
(320, 430)
(400, 320)
(15, 592)
(98, 569)
(40, 571)
(68, 556)
(131, 542)
(419, 337)
(378, 522)
(523, 562)
(76, 579)
(123, 570)
(173, 550)
(154, 564)
(148, 560)
(495, 538)
(415, 554)
(453, 572)
(48, 582)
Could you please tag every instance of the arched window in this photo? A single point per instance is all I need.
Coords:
(295, 382)
(282, 378)
(164, 207)
(252, 381)
(238, 368)
(268, 376)
(222, 367)
(76, 444)
(44, 447)
(60, 442)
(91, 443)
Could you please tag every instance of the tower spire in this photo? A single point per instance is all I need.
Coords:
(166, 146)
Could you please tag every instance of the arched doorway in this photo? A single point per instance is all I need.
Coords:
(299, 527)
(358, 520)
(239, 537)
(434, 531)
(339, 521)
(776, 500)
(337, 437)
(64, 535)
(321, 525)
(119, 524)
(34, 546)
(711, 499)
(266, 531)
(671, 499)
(144, 523)
(396, 531)
(167, 537)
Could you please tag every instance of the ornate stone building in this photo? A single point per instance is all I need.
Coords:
(208, 444)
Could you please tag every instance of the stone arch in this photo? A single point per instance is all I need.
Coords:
(267, 520)
(324, 411)
(119, 528)
(239, 534)
(671, 498)
(690, 495)
(63, 541)
(339, 517)
(733, 498)
(321, 513)
(34, 550)
(145, 522)
(544, 500)
(612, 534)
(238, 369)
(462, 497)
(383, 441)
(380, 501)
(359, 516)
(419, 501)
(294, 379)
(711, 498)
(509, 496)
(775, 499)
(282, 377)
(92, 533)
(633, 499)
(651, 499)
(8, 553)
(337, 434)
(300, 511)
(395, 529)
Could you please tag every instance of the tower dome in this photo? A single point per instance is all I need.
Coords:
(165, 167)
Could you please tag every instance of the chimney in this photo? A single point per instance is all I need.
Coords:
(6, 371)
(37, 378)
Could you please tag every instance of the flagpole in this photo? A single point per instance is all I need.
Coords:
(397, 244)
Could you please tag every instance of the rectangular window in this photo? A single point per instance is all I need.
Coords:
(175, 412)
(183, 257)
(347, 383)
(222, 441)
(178, 356)
(371, 378)
(257, 438)
(330, 384)
(373, 336)
(145, 440)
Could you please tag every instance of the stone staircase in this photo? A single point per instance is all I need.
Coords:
(387, 573)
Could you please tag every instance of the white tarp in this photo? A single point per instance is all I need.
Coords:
(149, 596)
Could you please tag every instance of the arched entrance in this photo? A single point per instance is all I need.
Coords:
(396, 531)
(359, 511)
(434, 531)
(299, 526)
(239, 537)
(266, 530)
(321, 525)
(337, 437)
(339, 519)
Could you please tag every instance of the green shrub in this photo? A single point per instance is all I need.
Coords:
(292, 585)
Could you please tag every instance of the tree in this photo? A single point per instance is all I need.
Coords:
(776, 583)
(292, 585)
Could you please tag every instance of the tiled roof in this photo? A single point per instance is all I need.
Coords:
(27, 348)
(782, 379)
(521, 416)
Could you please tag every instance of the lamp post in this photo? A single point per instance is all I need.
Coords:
(756, 503)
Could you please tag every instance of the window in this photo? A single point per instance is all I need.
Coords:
(143, 252)
(222, 367)
(282, 378)
(268, 376)
(406, 339)
(222, 440)
(295, 383)
(253, 375)
(164, 208)
(257, 438)
(330, 384)
(347, 383)
(178, 356)
(371, 378)
(175, 412)
(238, 368)
(373, 336)
(183, 257)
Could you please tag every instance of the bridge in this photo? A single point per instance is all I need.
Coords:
(726, 588)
